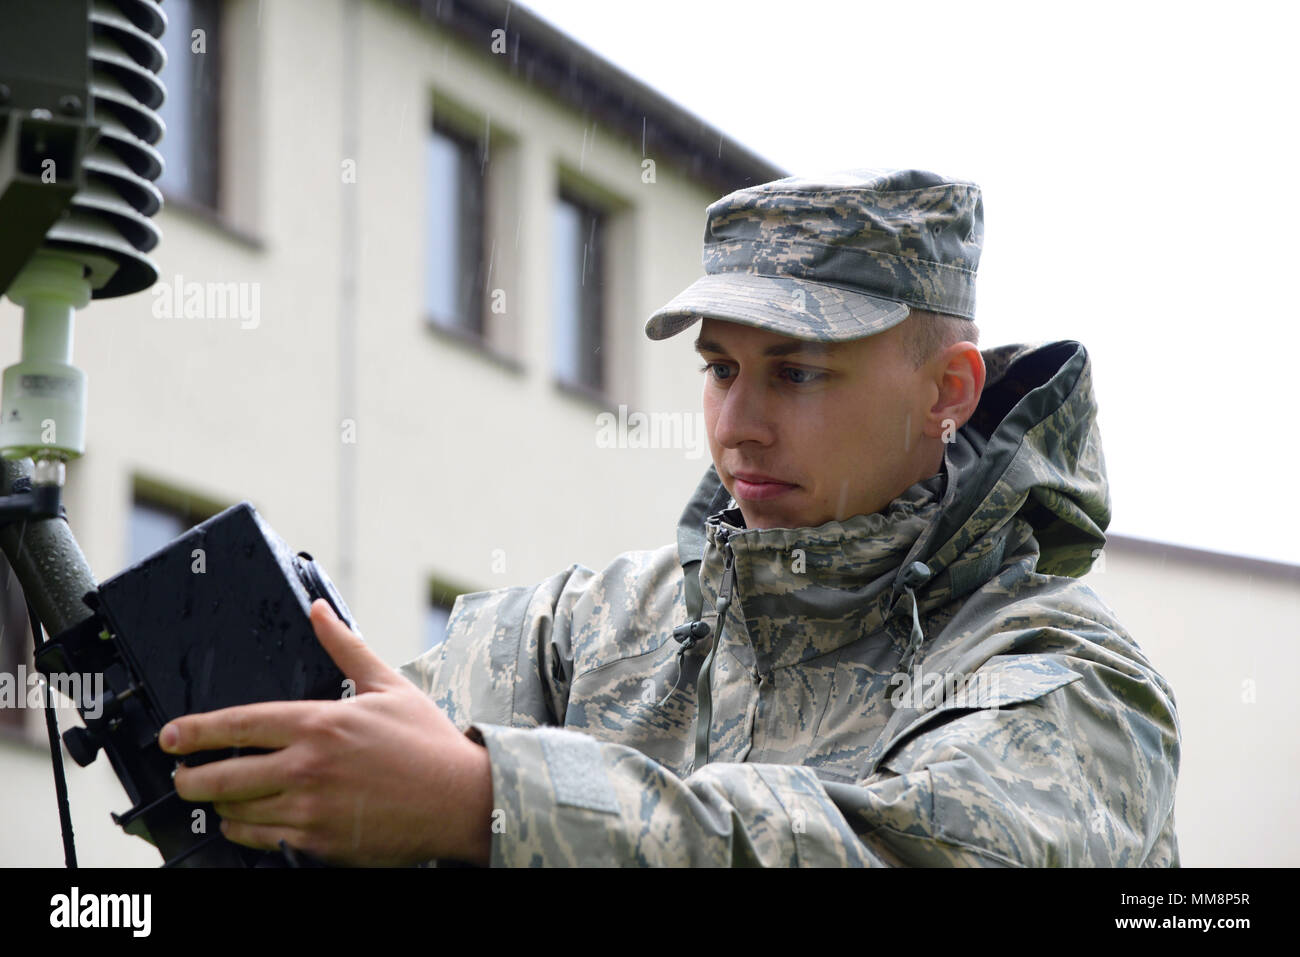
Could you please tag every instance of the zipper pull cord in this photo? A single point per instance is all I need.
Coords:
(913, 577)
(703, 690)
(914, 641)
(689, 634)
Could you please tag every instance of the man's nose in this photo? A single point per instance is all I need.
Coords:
(744, 415)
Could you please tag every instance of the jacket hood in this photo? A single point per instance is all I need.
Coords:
(1032, 451)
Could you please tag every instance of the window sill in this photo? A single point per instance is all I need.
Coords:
(587, 394)
(211, 217)
(475, 343)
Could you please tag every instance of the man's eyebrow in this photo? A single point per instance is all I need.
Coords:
(703, 345)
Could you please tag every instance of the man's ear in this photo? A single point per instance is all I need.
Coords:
(958, 374)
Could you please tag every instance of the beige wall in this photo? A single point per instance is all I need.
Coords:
(1226, 635)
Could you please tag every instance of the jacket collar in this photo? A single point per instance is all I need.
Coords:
(804, 592)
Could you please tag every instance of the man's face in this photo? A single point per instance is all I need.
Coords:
(835, 427)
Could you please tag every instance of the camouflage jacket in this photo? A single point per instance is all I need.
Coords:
(928, 685)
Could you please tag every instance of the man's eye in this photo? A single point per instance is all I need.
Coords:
(805, 374)
(709, 365)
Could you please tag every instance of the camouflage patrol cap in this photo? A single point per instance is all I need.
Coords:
(835, 257)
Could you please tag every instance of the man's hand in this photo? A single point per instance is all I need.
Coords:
(379, 778)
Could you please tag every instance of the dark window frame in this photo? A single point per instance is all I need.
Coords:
(204, 108)
(440, 595)
(161, 496)
(471, 227)
(593, 308)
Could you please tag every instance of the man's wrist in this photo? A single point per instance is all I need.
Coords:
(478, 833)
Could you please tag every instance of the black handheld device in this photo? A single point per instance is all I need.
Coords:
(218, 617)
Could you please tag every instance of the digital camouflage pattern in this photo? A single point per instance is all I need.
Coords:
(835, 257)
(830, 741)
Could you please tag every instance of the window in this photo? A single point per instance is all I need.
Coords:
(436, 624)
(152, 528)
(159, 514)
(454, 267)
(193, 81)
(578, 294)
(437, 614)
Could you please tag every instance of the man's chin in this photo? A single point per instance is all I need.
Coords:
(782, 511)
(758, 517)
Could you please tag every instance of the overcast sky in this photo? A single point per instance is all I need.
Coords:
(1141, 195)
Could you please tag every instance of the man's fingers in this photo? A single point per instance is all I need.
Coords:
(352, 656)
(280, 809)
(263, 837)
(243, 778)
(268, 724)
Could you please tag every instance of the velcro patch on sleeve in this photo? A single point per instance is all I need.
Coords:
(577, 771)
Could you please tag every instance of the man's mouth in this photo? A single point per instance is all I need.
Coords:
(757, 487)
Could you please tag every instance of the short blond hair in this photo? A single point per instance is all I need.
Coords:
(926, 334)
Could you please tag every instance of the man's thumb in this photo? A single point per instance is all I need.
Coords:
(346, 648)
